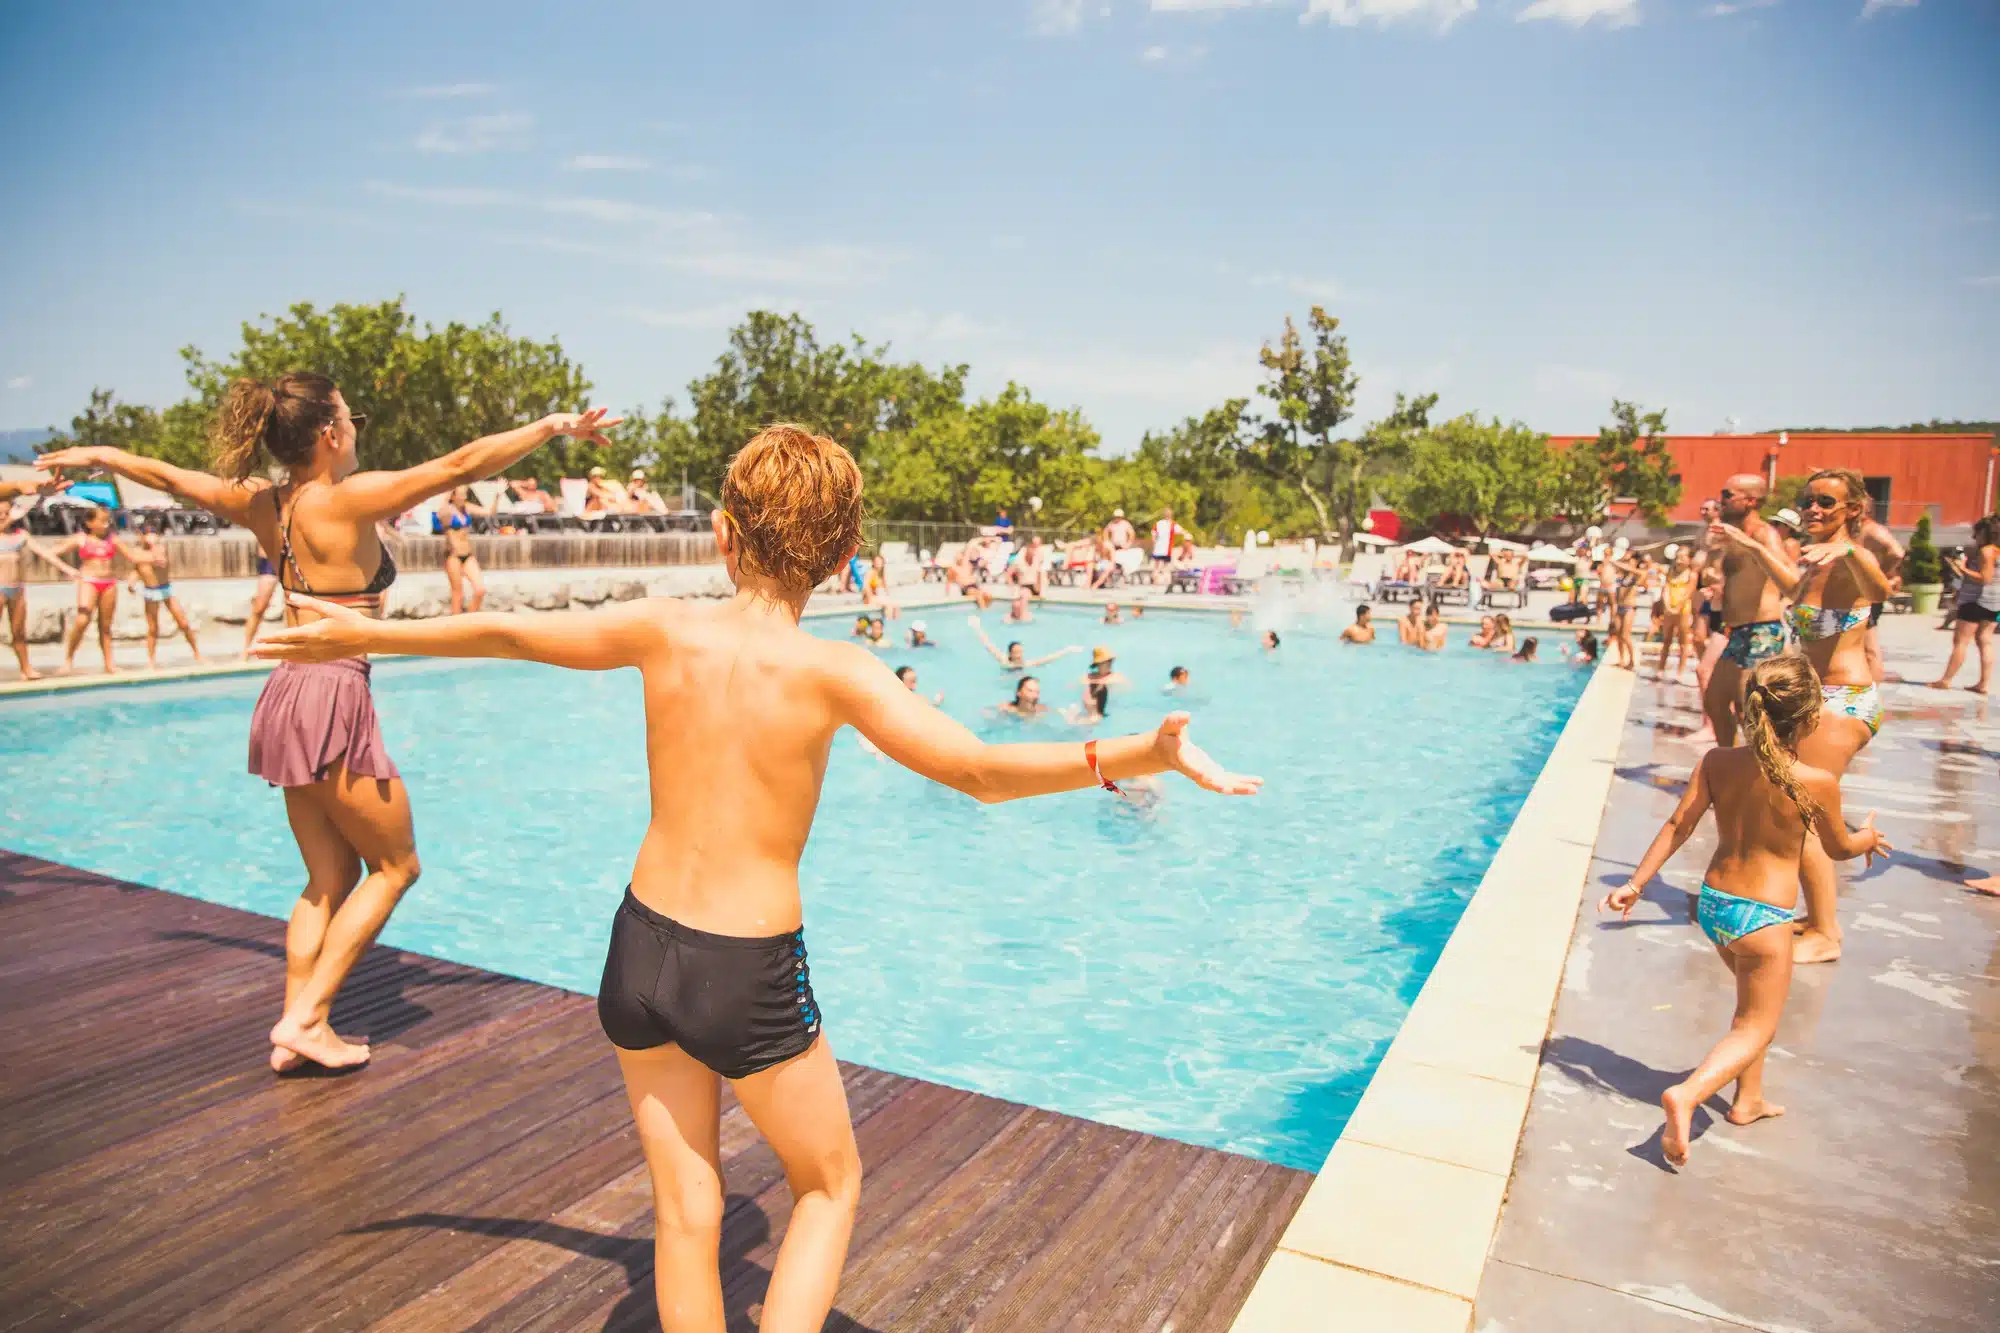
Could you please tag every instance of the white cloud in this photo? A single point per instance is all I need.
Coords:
(1988, 280)
(1194, 6)
(476, 134)
(454, 195)
(1153, 54)
(914, 326)
(1166, 382)
(1351, 13)
(619, 212)
(1056, 18)
(21, 382)
(1576, 13)
(1728, 7)
(606, 162)
(438, 90)
(1870, 8)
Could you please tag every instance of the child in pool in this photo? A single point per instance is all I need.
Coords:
(1766, 805)
(706, 979)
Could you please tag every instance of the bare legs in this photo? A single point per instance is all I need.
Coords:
(1963, 636)
(260, 602)
(17, 626)
(800, 1108)
(89, 602)
(1720, 695)
(1762, 964)
(1675, 630)
(463, 572)
(341, 824)
(1832, 746)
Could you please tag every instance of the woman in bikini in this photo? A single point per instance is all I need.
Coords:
(1503, 634)
(97, 550)
(1676, 614)
(150, 579)
(706, 979)
(314, 732)
(453, 519)
(1769, 804)
(1835, 584)
(1978, 605)
(15, 545)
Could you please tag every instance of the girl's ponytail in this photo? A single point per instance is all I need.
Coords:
(237, 440)
(1781, 704)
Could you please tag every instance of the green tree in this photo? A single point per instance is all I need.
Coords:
(1372, 461)
(1496, 477)
(776, 369)
(1628, 460)
(110, 423)
(425, 389)
(1311, 390)
(1921, 565)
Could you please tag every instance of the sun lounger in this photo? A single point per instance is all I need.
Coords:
(1364, 579)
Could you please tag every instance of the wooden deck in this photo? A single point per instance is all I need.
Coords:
(482, 1173)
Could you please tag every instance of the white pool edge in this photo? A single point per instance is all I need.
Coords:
(1395, 1231)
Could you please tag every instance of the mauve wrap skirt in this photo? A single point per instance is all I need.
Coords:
(312, 716)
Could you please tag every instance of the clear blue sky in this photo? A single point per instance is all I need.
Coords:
(1785, 211)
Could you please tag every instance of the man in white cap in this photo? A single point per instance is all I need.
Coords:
(1119, 531)
(920, 635)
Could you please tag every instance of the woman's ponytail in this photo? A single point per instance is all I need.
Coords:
(237, 440)
(1781, 704)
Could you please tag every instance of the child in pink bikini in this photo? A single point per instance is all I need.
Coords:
(96, 548)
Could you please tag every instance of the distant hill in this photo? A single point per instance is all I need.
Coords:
(18, 446)
(1915, 428)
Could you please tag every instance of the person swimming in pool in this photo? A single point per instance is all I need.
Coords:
(1102, 678)
(1270, 641)
(1178, 680)
(1027, 702)
(706, 979)
(1111, 615)
(1019, 611)
(1363, 628)
(1768, 805)
(1016, 658)
(920, 635)
(1526, 652)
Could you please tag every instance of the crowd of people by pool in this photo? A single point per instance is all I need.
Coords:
(1778, 617)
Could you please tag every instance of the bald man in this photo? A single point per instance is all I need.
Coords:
(1753, 602)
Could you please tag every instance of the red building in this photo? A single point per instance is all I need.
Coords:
(1949, 477)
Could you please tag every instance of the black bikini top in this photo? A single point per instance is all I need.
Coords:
(385, 572)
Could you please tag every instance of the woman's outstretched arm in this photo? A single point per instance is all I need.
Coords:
(223, 498)
(371, 495)
(868, 697)
(580, 640)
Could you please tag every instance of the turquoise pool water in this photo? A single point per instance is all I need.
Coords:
(1222, 972)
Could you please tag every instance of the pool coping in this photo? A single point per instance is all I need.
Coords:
(1398, 1226)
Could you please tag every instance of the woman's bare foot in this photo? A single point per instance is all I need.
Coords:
(1989, 884)
(284, 1061)
(29, 673)
(318, 1043)
(1815, 946)
(1749, 1113)
(1679, 1107)
(1940, 684)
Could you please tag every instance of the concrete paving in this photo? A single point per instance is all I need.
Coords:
(1872, 1204)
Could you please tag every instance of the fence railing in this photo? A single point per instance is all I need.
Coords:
(234, 554)
(923, 535)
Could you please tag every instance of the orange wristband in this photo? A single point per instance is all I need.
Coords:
(1090, 757)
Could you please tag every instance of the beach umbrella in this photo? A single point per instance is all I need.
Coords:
(1370, 539)
(1543, 551)
(1431, 546)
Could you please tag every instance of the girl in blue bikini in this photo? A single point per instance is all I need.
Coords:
(1767, 805)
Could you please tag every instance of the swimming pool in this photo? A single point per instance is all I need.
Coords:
(1223, 972)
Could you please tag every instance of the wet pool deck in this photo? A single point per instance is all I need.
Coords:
(483, 1173)
(1872, 1204)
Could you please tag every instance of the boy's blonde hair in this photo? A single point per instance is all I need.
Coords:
(793, 500)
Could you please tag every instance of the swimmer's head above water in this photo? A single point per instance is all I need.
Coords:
(908, 675)
(1178, 677)
(1271, 640)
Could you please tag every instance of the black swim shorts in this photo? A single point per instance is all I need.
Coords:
(736, 1003)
